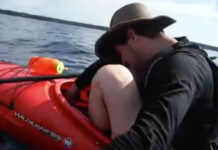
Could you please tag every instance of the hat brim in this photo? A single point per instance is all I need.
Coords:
(102, 45)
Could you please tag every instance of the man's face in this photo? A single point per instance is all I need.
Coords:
(127, 57)
(133, 52)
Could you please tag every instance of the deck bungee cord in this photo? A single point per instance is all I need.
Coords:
(28, 107)
(29, 80)
(35, 78)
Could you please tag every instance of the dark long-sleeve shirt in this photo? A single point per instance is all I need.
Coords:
(85, 78)
(176, 89)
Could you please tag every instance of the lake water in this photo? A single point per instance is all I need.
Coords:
(21, 38)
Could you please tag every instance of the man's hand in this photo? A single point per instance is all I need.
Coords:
(73, 94)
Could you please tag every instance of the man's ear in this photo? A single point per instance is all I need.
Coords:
(131, 35)
(132, 38)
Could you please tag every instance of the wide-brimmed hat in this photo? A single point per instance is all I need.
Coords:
(134, 13)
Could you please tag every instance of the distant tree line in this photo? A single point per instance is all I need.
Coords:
(20, 14)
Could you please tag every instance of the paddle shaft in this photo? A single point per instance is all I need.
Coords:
(35, 78)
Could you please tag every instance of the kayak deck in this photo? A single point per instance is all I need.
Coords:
(37, 113)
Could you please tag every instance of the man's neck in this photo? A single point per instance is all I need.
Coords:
(163, 42)
(159, 44)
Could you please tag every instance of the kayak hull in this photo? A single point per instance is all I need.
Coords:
(37, 114)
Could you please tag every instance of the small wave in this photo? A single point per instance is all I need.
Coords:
(2, 42)
(69, 61)
(27, 30)
(17, 42)
(23, 40)
(79, 52)
(62, 52)
(63, 48)
(49, 32)
(55, 44)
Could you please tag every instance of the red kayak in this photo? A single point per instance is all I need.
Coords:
(37, 114)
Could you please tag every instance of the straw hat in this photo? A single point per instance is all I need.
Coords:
(127, 15)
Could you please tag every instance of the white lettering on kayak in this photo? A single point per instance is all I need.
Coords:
(45, 131)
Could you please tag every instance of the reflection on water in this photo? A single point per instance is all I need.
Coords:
(21, 38)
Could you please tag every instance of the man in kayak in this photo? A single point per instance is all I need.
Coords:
(159, 105)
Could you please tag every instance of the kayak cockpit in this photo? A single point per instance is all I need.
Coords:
(61, 88)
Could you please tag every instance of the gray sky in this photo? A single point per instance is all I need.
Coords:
(198, 19)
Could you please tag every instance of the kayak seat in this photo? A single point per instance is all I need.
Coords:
(81, 103)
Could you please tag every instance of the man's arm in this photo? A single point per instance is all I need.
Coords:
(84, 80)
(174, 83)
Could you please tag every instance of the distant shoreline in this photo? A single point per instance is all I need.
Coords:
(103, 28)
(26, 15)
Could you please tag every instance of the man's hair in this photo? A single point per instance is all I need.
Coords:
(142, 29)
(120, 37)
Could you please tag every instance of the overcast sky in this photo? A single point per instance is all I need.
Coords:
(198, 19)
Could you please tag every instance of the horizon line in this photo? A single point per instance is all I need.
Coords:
(87, 25)
(51, 19)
